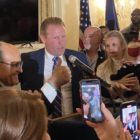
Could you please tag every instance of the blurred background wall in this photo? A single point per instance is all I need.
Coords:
(69, 11)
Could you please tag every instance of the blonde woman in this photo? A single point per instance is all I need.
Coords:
(116, 49)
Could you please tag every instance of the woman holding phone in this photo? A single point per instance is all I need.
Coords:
(116, 49)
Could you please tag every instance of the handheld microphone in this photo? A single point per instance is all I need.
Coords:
(74, 60)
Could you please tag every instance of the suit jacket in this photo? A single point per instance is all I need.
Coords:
(33, 74)
(100, 59)
(130, 34)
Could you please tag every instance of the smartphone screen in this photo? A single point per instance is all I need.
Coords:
(129, 118)
(91, 100)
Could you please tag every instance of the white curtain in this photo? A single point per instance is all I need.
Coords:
(43, 11)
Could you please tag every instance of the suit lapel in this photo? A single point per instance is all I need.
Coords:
(67, 60)
(66, 54)
(40, 59)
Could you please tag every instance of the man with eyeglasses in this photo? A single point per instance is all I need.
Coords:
(131, 32)
(10, 64)
(11, 67)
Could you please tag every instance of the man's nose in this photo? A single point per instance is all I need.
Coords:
(20, 70)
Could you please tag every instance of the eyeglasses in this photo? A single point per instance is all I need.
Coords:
(14, 64)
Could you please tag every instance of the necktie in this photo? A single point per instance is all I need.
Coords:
(57, 100)
(55, 60)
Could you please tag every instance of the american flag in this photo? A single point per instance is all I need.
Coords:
(111, 15)
(84, 19)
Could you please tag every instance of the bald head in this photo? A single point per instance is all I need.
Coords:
(10, 64)
(93, 30)
(92, 37)
(8, 52)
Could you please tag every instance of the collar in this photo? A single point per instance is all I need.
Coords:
(99, 48)
(50, 56)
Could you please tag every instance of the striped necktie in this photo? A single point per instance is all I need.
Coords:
(57, 101)
(55, 60)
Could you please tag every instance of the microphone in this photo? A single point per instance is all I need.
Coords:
(75, 61)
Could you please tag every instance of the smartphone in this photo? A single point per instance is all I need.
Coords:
(129, 118)
(91, 100)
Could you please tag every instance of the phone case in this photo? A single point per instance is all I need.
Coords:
(91, 100)
(129, 118)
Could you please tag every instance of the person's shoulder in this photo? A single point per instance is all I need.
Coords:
(102, 65)
(36, 55)
(126, 29)
(75, 53)
(80, 55)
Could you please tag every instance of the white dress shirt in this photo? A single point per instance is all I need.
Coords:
(50, 92)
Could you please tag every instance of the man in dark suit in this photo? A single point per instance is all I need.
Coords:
(37, 67)
(11, 66)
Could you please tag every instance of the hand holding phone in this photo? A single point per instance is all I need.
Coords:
(129, 118)
(91, 100)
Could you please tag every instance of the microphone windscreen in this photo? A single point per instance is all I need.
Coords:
(72, 59)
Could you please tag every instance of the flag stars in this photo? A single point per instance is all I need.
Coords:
(84, 15)
(86, 7)
(86, 25)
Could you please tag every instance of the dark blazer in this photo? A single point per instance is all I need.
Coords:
(33, 73)
(101, 57)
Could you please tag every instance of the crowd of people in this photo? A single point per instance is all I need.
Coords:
(24, 112)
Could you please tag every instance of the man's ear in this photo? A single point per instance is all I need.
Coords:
(43, 38)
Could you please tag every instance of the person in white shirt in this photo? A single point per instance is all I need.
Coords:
(38, 67)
